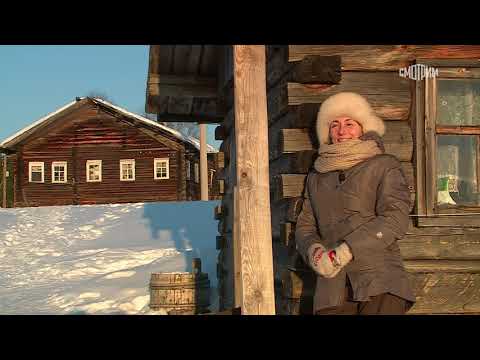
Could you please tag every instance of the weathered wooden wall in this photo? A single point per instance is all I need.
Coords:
(91, 134)
(225, 161)
(443, 262)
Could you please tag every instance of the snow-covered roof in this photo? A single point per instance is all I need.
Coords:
(194, 141)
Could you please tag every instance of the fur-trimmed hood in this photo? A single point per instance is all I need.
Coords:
(347, 104)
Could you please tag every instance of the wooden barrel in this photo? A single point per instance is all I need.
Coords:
(181, 293)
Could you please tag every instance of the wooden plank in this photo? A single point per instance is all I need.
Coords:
(450, 221)
(419, 125)
(459, 73)
(208, 64)
(458, 130)
(385, 57)
(449, 63)
(165, 54)
(430, 145)
(388, 93)
(251, 138)
(220, 160)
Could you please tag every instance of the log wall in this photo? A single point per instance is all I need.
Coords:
(443, 262)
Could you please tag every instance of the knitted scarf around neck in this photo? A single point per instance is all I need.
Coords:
(344, 155)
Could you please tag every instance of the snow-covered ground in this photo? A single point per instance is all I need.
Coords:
(97, 259)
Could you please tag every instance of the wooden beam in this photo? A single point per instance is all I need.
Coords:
(167, 117)
(203, 163)
(253, 202)
(387, 57)
(388, 93)
(182, 85)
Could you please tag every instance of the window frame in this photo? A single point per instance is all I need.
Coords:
(196, 170)
(65, 165)
(155, 162)
(36, 163)
(127, 162)
(93, 162)
(188, 170)
(426, 133)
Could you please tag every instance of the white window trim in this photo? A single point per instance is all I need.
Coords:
(160, 160)
(125, 162)
(59, 163)
(197, 172)
(36, 163)
(188, 170)
(94, 162)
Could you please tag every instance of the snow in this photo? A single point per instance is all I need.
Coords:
(97, 259)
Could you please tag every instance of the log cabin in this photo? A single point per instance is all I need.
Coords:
(93, 152)
(429, 98)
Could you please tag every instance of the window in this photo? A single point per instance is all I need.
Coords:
(448, 129)
(94, 170)
(36, 172)
(59, 172)
(127, 170)
(197, 175)
(160, 170)
(188, 169)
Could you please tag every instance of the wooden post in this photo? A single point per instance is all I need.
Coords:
(4, 181)
(203, 163)
(254, 233)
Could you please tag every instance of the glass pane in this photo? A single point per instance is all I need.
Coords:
(458, 102)
(36, 176)
(457, 170)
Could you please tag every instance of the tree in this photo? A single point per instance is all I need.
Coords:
(185, 128)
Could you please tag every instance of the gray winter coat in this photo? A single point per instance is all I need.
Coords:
(367, 207)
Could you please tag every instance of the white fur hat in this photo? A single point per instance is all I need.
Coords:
(347, 104)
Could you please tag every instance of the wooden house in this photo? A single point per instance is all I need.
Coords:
(93, 152)
(429, 97)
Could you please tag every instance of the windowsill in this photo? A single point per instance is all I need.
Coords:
(450, 221)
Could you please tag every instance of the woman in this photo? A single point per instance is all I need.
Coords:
(355, 209)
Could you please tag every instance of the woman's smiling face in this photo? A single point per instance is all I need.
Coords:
(344, 129)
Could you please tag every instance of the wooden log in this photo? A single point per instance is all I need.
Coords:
(292, 185)
(182, 85)
(383, 57)
(314, 69)
(221, 186)
(294, 163)
(446, 293)
(436, 293)
(220, 243)
(446, 246)
(220, 160)
(397, 140)
(253, 202)
(388, 93)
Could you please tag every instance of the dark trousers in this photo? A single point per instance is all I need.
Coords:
(383, 304)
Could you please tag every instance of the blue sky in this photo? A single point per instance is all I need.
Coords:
(36, 80)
